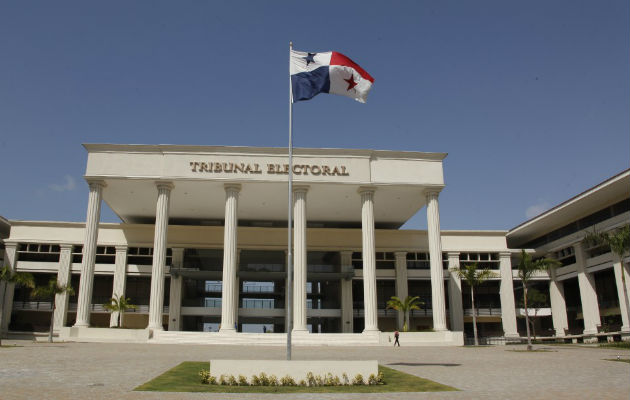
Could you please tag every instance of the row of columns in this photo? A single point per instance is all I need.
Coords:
(588, 296)
(229, 293)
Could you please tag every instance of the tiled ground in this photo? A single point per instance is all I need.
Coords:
(110, 371)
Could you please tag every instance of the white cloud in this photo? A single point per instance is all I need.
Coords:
(536, 209)
(69, 185)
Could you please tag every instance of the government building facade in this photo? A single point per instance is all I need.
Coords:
(202, 253)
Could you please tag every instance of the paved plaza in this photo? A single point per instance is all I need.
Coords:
(111, 371)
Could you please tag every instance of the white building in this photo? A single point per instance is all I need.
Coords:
(203, 239)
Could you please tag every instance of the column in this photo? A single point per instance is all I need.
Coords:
(369, 259)
(299, 258)
(621, 275)
(402, 287)
(558, 304)
(120, 282)
(456, 306)
(175, 296)
(588, 293)
(506, 292)
(229, 257)
(156, 302)
(237, 286)
(89, 253)
(347, 317)
(64, 275)
(10, 259)
(435, 256)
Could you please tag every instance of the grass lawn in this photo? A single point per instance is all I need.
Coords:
(616, 345)
(185, 378)
(625, 360)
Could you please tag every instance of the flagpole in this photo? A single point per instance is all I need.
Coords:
(289, 232)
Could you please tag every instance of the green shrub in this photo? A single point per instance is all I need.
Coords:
(287, 381)
(264, 379)
(358, 380)
(205, 376)
(310, 378)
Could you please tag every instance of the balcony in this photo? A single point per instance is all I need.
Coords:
(72, 307)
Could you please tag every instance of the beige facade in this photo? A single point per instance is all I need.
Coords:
(203, 238)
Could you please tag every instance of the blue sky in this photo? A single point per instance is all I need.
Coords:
(530, 99)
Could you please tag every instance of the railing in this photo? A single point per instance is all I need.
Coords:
(258, 289)
(388, 312)
(322, 268)
(32, 305)
(47, 306)
(262, 267)
(483, 311)
(258, 303)
(214, 287)
(212, 303)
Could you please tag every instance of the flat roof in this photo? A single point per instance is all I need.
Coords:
(600, 196)
(333, 177)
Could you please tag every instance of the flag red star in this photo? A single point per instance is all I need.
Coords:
(351, 82)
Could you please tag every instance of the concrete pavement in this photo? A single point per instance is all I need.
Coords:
(111, 371)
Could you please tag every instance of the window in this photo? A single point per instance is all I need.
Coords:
(384, 260)
(38, 252)
(105, 255)
(77, 254)
(483, 260)
(144, 256)
(566, 256)
(418, 261)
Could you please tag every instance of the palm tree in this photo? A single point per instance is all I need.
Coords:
(410, 303)
(474, 277)
(119, 304)
(619, 243)
(8, 276)
(526, 269)
(535, 299)
(50, 292)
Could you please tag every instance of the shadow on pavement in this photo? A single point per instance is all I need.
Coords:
(425, 364)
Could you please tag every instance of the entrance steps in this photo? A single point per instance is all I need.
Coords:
(266, 339)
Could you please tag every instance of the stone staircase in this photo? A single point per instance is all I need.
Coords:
(265, 339)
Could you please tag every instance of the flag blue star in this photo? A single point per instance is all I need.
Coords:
(309, 58)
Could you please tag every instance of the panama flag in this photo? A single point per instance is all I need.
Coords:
(329, 72)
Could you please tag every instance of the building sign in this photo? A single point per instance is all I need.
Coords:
(270, 169)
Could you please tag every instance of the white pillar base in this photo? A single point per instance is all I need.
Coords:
(590, 339)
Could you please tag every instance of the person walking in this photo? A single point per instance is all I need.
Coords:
(396, 335)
